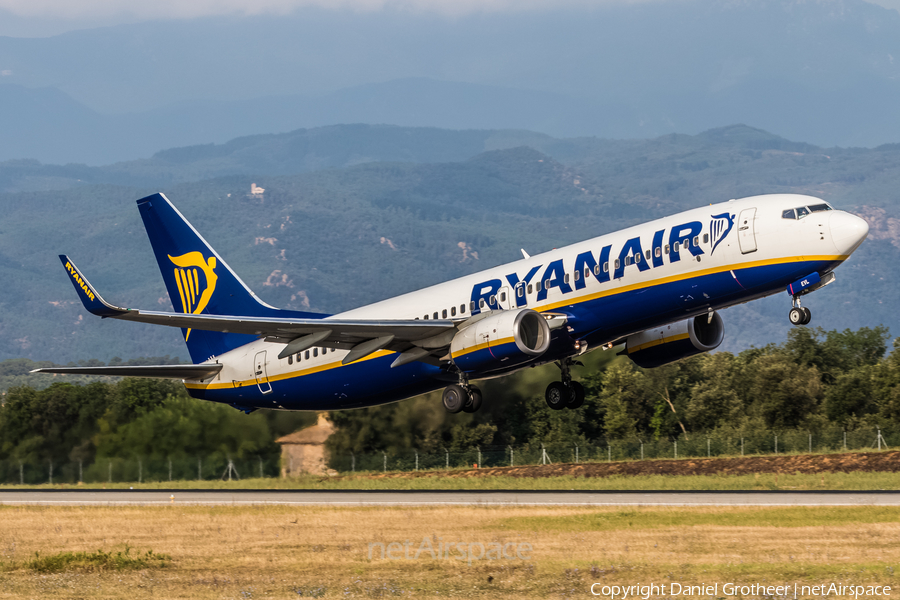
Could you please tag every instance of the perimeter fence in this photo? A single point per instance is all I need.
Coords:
(218, 467)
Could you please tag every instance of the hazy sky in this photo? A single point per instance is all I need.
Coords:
(102, 11)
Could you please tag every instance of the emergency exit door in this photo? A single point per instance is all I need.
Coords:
(746, 230)
(259, 371)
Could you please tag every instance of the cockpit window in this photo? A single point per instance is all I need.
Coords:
(789, 214)
(819, 207)
(802, 211)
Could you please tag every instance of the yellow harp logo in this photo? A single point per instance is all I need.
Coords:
(188, 267)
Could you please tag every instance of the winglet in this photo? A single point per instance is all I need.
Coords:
(91, 299)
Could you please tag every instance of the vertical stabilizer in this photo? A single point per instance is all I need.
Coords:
(198, 280)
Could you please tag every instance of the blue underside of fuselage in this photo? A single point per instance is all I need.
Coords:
(595, 322)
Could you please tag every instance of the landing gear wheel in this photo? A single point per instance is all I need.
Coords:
(807, 316)
(557, 395)
(474, 402)
(455, 398)
(576, 395)
(796, 316)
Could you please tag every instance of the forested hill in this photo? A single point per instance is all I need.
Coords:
(354, 214)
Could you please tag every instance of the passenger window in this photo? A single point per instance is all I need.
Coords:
(472, 305)
(606, 267)
(696, 241)
(299, 356)
(819, 207)
(452, 311)
(577, 275)
(547, 284)
(537, 286)
(444, 314)
(520, 291)
(597, 268)
(617, 263)
(566, 278)
(315, 352)
(705, 238)
(435, 315)
(502, 296)
(648, 255)
(657, 252)
(802, 211)
(462, 308)
(587, 272)
(307, 355)
(627, 261)
(426, 317)
(666, 249)
(676, 247)
(493, 300)
(686, 243)
(290, 359)
(638, 257)
(530, 288)
(481, 303)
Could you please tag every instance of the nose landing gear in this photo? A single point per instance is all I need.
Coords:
(799, 315)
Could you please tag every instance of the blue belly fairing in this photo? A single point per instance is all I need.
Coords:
(596, 321)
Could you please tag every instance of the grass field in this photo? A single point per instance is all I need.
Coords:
(447, 481)
(322, 552)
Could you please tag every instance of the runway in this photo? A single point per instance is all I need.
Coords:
(442, 498)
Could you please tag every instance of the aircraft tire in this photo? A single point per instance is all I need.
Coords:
(475, 399)
(576, 393)
(796, 316)
(807, 316)
(454, 398)
(557, 395)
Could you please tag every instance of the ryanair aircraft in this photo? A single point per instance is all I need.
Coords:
(655, 288)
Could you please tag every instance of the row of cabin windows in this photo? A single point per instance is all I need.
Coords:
(520, 291)
(308, 353)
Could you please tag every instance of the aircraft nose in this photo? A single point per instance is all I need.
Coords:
(847, 231)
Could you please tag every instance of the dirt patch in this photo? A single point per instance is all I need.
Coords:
(796, 463)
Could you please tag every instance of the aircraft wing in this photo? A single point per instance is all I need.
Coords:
(204, 371)
(361, 337)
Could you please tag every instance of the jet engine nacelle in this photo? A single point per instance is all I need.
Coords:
(660, 346)
(501, 340)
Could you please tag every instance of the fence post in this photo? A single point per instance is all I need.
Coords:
(810, 443)
(708, 455)
(642, 449)
(879, 439)
(109, 469)
(479, 457)
(845, 440)
(261, 474)
(676, 448)
(576, 453)
(199, 468)
(170, 469)
(385, 461)
(21, 473)
(51, 472)
(80, 472)
(417, 460)
(608, 453)
(776, 444)
(352, 463)
(447, 452)
(140, 471)
(511, 461)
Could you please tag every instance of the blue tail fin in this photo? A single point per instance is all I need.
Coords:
(199, 281)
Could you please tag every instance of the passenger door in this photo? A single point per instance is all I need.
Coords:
(746, 233)
(259, 371)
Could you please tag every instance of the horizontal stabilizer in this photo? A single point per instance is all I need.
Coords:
(156, 371)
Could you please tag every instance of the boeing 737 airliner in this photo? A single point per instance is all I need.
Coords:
(655, 288)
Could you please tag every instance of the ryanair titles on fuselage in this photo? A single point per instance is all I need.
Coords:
(681, 237)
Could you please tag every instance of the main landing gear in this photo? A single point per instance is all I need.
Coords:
(462, 397)
(565, 393)
(799, 315)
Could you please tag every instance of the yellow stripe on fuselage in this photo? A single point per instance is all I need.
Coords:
(505, 340)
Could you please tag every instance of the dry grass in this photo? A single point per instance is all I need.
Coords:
(291, 552)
